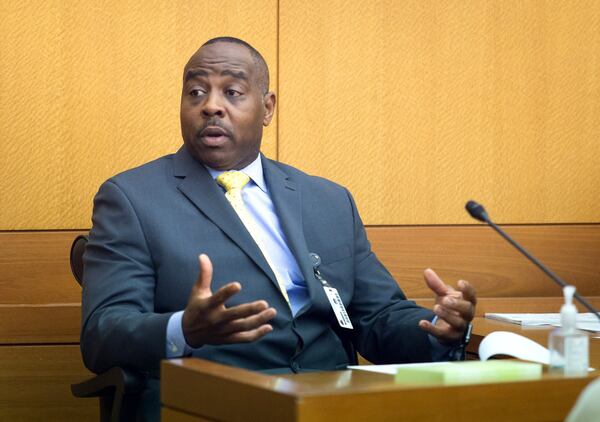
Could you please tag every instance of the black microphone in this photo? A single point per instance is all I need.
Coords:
(479, 213)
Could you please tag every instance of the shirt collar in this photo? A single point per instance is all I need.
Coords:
(254, 170)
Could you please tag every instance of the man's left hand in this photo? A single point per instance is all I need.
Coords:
(455, 308)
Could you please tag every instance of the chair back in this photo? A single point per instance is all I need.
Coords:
(76, 257)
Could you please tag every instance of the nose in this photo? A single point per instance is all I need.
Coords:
(213, 106)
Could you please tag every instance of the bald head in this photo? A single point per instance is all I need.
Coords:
(261, 70)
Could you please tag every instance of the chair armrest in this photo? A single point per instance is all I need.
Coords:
(123, 381)
(118, 390)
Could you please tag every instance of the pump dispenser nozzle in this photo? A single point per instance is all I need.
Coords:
(569, 291)
(568, 312)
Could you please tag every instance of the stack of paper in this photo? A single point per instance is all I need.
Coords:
(585, 321)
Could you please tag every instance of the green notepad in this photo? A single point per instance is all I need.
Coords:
(469, 372)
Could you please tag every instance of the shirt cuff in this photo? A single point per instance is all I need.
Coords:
(176, 345)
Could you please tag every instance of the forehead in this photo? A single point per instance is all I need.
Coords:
(214, 58)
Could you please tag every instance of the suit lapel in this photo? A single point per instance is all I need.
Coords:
(199, 187)
(287, 200)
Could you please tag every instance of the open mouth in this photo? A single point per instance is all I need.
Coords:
(214, 136)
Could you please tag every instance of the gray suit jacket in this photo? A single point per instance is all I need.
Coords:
(150, 224)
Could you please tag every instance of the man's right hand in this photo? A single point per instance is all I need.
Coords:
(206, 320)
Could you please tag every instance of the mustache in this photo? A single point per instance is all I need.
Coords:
(214, 123)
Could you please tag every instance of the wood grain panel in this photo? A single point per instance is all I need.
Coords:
(478, 254)
(40, 299)
(37, 324)
(418, 106)
(517, 304)
(35, 384)
(173, 415)
(107, 80)
(34, 268)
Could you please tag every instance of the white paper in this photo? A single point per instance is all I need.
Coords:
(585, 321)
(496, 343)
(392, 368)
(511, 344)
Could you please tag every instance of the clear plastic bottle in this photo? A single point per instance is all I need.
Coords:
(569, 347)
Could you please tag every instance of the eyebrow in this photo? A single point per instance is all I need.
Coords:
(191, 74)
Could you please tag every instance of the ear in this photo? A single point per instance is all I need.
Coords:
(269, 101)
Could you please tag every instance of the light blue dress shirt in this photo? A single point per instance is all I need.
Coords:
(260, 207)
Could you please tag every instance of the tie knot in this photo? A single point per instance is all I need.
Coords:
(233, 180)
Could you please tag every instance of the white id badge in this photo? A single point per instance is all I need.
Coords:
(338, 307)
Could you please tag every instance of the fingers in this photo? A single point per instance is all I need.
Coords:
(249, 336)
(454, 308)
(244, 310)
(443, 331)
(224, 293)
(249, 323)
(433, 330)
(435, 283)
(206, 320)
(449, 302)
(468, 291)
(211, 327)
(456, 320)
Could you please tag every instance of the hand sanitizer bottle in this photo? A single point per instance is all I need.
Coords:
(569, 347)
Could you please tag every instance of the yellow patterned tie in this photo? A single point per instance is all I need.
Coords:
(234, 182)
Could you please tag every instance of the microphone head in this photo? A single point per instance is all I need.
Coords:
(477, 211)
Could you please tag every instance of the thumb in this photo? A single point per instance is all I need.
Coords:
(202, 285)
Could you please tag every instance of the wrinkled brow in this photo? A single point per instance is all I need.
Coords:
(193, 73)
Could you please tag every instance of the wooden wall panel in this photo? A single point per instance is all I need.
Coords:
(527, 304)
(35, 384)
(89, 89)
(40, 324)
(418, 106)
(34, 268)
(481, 256)
(40, 301)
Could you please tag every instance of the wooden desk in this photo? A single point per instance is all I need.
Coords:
(197, 390)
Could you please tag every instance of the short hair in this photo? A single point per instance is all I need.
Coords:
(259, 61)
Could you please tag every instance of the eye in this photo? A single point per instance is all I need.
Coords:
(196, 92)
(232, 93)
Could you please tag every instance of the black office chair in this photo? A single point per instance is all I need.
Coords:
(117, 389)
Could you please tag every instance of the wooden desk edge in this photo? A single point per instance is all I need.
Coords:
(233, 394)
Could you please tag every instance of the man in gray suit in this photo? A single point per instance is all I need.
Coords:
(286, 281)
